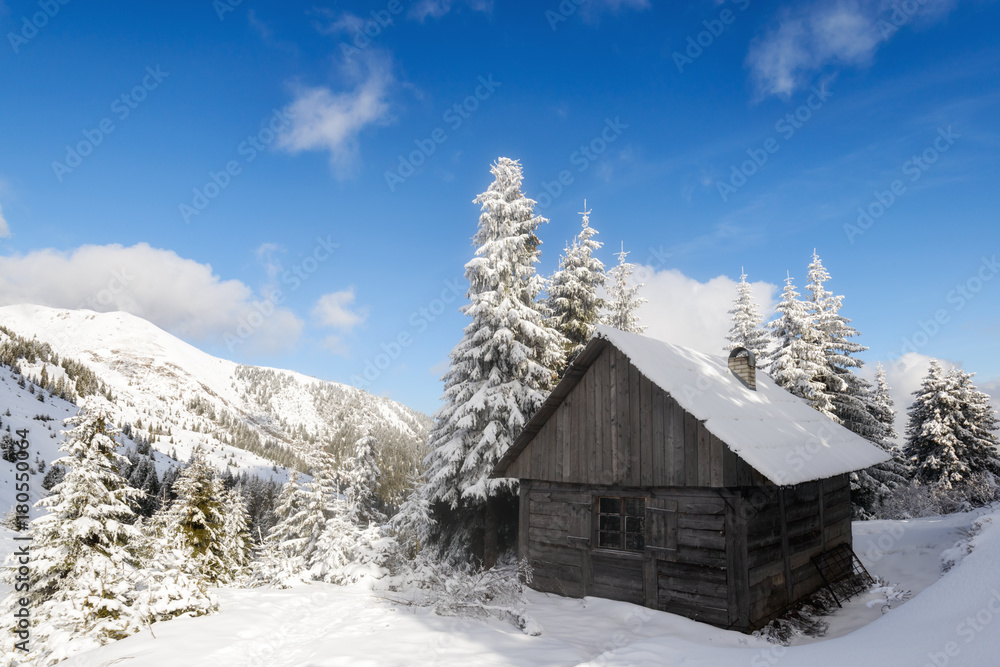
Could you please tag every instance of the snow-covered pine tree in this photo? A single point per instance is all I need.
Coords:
(236, 544)
(279, 562)
(872, 486)
(884, 408)
(360, 481)
(318, 499)
(499, 374)
(85, 550)
(574, 307)
(355, 541)
(623, 299)
(849, 395)
(798, 362)
(951, 435)
(194, 524)
(981, 437)
(747, 329)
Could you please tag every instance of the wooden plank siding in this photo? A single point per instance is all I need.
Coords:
(683, 569)
(786, 528)
(616, 427)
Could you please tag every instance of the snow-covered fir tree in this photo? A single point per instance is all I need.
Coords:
(279, 562)
(360, 479)
(883, 407)
(498, 376)
(850, 396)
(872, 486)
(747, 329)
(90, 579)
(982, 424)
(194, 524)
(318, 498)
(951, 434)
(82, 578)
(798, 362)
(236, 542)
(574, 307)
(623, 298)
(355, 542)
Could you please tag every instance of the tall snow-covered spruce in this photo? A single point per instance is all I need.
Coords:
(849, 395)
(798, 362)
(747, 329)
(574, 307)
(500, 373)
(624, 299)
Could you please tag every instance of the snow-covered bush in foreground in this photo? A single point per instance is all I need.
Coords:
(915, 500)
(467, 591)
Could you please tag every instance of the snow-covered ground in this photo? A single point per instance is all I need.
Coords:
(952, 619)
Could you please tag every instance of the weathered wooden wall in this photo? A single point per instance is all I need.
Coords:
(683, 569)
(786, 528)
(616, 428)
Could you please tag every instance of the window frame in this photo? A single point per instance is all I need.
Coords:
(623, 521)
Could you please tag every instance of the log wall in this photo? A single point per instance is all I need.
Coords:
(616, 428)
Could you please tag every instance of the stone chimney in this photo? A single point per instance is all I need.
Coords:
(743, 365)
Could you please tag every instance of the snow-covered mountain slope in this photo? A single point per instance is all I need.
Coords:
(20, 410)
(181, 397)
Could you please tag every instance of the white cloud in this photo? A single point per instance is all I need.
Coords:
(334, 310)
(684, 311)
(4, 229)
(438, 8)
(266, 254)
(179, 295)
(842, 32)
(332, 121)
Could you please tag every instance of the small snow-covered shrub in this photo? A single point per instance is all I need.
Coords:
(464, 591)
(887, 595)
(917, 500)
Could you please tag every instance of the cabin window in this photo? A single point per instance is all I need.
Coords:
(621, 523)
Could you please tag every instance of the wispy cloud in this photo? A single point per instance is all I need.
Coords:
(425, 9)
(337, 311)
(4, 228)
(326, 120)
(266, 33)
(592, 9)
(810, 38)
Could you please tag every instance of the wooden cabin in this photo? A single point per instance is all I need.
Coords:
(682, 481)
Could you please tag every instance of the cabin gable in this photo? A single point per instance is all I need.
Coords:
(615, 427)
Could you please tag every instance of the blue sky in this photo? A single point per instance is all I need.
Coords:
(182, 161)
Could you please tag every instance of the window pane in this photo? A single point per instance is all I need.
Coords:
(610, 505)
(635, 541)
(611, 522)
(610, 540)
(635, 506)
(634, 524)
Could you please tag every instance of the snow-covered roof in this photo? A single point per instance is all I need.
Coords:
(776, 432)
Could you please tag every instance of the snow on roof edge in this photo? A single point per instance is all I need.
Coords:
(777, 433)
